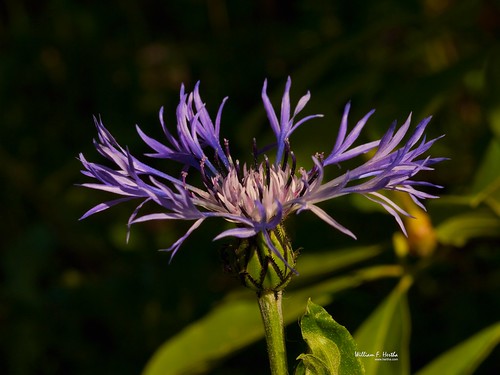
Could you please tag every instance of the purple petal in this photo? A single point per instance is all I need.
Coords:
(329, 220)
(175, 247)
(103, 206)
(236, 232)
(271, 115)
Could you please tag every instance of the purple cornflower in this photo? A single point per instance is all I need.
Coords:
(257, 196)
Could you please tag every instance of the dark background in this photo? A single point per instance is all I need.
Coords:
(76, 299)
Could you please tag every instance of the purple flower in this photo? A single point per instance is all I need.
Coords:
(256, 196)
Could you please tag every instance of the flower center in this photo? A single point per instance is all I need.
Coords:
(244, 191)
(266, 184)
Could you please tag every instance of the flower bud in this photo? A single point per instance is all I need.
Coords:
(258, 266)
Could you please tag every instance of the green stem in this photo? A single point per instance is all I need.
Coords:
(272, 316)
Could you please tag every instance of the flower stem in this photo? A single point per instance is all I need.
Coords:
(272, 316)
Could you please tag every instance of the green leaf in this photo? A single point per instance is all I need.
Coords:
(494, 121)
(459, 229)
(383, 339)
(465, 357)
(236, 323)
(332, 348)
(312, 365)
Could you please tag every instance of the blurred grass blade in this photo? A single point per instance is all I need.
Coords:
(198, 347)
(486, 186)
(313, 265)
(321, 293)
(387, 330)
(466, 356)
(459, 229)
(487, 178)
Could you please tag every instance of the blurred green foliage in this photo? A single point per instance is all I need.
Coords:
(75, 298)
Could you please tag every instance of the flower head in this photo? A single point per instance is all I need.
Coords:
(259, 195)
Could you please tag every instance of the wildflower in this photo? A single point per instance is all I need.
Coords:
(258, 196)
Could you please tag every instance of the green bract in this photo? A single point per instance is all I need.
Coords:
(259, 267)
